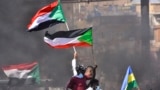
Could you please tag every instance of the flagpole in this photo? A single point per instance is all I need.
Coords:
(68, 30)
(94, 61)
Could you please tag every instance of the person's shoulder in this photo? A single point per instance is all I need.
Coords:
(78, 77)
(74, 77)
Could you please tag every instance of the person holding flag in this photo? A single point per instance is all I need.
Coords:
(80, 77)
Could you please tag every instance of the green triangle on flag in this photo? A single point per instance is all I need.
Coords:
(35, 74)
(58, 13)
(87, 37)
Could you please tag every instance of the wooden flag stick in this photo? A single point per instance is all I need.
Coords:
(94, 61)
(68, 30)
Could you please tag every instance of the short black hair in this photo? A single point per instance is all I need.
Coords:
(80, 69)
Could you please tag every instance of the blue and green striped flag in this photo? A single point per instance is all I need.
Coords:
(129, 81)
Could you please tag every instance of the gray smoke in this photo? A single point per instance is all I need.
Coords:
(117, 43)
(18, 46)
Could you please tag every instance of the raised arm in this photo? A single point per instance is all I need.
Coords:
(74, 64)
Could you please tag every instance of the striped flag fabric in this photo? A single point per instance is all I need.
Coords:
(47, 16)
(22, 74)
(129, 82)
(66, 39)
